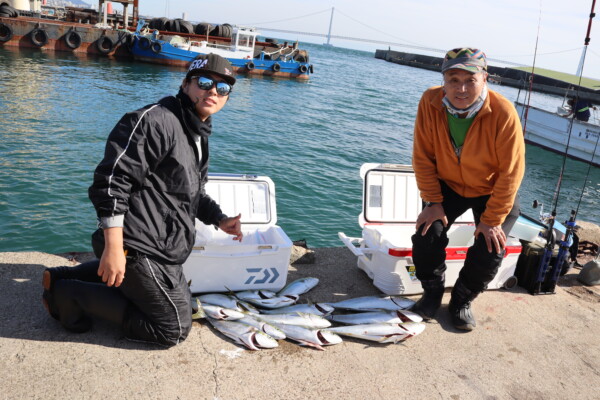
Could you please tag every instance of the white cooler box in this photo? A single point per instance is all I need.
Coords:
(220, 264)
(391, 204)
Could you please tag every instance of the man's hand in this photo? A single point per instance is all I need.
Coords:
(429, 215)
(112, 262)
(493, 235)
(232, 226)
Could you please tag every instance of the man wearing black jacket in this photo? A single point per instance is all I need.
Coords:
(147, 191)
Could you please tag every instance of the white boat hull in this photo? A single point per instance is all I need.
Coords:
(551, 131)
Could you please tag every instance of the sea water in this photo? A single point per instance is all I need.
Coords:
(311, 138)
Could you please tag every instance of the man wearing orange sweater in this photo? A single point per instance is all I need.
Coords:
(469, 153)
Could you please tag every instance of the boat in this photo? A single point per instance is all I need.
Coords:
(561, 131)
(31, 30)
(246, 55)
(553, 131)
(89, 32)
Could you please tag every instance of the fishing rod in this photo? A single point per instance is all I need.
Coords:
(537, 38)
(565, 243)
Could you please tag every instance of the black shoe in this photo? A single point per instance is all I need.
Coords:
(462, 317)
(460, 306)
(428, 304)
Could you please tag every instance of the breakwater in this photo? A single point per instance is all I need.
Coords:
(500, 75)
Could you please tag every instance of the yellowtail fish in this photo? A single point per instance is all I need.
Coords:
(244, 334)
(376, 317)
(375, 303)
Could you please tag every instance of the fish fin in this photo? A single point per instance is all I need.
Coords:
(310, 344)
(200, 313)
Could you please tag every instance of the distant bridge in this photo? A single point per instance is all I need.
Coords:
(383, 42)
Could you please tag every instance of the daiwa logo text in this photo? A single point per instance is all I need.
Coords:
(261, 275)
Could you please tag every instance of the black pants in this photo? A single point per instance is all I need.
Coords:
(160, 301)
(429, 251)
(153, 304)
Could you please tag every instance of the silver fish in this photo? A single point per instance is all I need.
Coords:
(218, 312)
(316, 338)
(298, 287)
(226, 301)
(244, 334)
(383, 333)
(223, 300)
(275, 302)
(298, 319)
(375, 303)
(255, 294)
(263, 326)
(377, 317)
(315, 308)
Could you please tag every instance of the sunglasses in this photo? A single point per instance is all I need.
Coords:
(223, 88)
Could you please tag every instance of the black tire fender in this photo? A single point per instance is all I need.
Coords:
(144, 43)
(130, 41)
(39, 37)
(104, 44)
(156, 47)
(303, 68)
(6, 32)
(72, 39)
(250, 66)
(276, 67)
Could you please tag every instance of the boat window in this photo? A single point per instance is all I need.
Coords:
(245, 40)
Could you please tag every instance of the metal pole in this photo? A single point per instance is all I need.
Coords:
(330, 24)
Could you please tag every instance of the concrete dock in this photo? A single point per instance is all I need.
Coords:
(524, 347)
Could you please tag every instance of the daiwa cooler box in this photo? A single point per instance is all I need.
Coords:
(220, 264)
(391, 205)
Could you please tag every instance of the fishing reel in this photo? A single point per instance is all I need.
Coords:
(543, 217)
(558, 234)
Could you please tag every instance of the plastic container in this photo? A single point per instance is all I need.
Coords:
(220, 264)
(391, 204)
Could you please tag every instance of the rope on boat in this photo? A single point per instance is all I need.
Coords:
(280, 51)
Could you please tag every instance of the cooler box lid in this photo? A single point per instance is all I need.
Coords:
(391, 195)
(253, 196)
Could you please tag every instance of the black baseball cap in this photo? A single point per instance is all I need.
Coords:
(214, 64)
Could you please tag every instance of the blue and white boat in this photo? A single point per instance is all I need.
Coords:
(241, 50)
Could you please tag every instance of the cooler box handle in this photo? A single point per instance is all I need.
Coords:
(349, 242)
(252, 253)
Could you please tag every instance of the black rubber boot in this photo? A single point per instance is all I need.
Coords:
(460, 307)
(428, 304)
(76, 302)
(85, 272)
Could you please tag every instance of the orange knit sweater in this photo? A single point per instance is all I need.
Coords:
(492, 161)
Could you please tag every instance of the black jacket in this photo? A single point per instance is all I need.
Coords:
(151, 174)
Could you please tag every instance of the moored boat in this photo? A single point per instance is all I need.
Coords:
(66, 36)
(81, 32)
(241, 50)
(552, 131)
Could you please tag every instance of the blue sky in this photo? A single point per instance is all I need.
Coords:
(505, 29)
